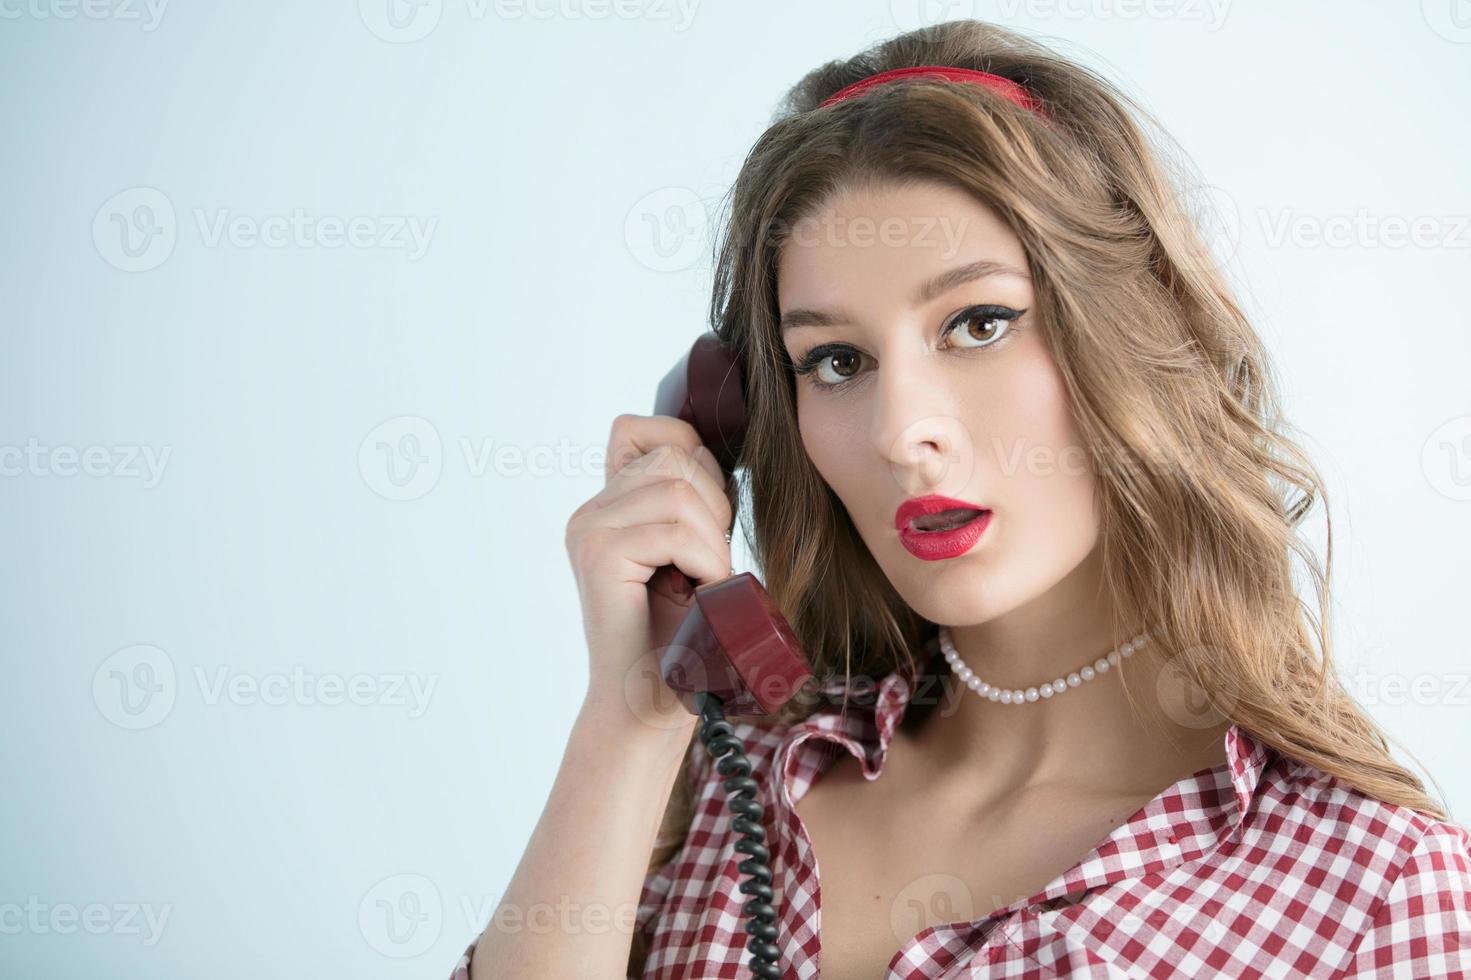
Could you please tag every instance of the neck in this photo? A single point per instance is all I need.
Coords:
(1090, 736)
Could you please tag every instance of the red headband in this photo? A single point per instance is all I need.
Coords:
(1004, 86)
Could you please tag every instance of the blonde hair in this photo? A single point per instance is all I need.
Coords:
(1200, 514)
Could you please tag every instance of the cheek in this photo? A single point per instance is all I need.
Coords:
(1040, 457)
(828, 435)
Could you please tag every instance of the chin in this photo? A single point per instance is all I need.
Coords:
(955, 592)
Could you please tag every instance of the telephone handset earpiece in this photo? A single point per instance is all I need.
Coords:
(734, 651)
(734, 643)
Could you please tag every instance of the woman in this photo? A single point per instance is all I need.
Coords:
(1016, 477)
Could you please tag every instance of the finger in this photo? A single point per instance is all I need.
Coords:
(635, 553)
(665, 463)
(634, 436)
(672, 501)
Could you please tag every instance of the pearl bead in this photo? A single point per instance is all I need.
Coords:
(1019, 695)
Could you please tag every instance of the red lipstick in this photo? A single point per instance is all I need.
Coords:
(939, 534)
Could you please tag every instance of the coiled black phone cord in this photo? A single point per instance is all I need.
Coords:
(730, 760)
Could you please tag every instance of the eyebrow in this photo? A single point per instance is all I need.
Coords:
(937, 286)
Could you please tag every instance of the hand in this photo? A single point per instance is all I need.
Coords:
(663, 503)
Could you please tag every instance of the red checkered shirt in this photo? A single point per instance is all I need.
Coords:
(1259, 867)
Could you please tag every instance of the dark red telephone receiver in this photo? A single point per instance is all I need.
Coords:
(734, 643)
(734, 651)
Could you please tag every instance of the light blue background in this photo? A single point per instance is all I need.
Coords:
(538, 152)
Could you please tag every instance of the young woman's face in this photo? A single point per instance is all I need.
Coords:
(947, 390)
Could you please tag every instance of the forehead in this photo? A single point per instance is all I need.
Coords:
(879, 240)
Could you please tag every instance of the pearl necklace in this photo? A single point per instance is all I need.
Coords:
(1016, 696)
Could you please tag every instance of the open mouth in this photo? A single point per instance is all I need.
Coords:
(945, 520)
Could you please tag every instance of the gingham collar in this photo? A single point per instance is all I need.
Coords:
(1194, 816)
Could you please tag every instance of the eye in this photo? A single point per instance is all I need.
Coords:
(834, 366)
(984, 325)
(831, 365)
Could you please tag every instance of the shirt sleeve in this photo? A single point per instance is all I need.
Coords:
(1423, 926)
(656, 888)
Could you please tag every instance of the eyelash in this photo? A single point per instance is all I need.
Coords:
(984, 313)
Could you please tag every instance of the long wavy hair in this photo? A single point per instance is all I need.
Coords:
(1165, 375)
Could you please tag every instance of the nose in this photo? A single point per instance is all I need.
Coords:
(916, 430)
